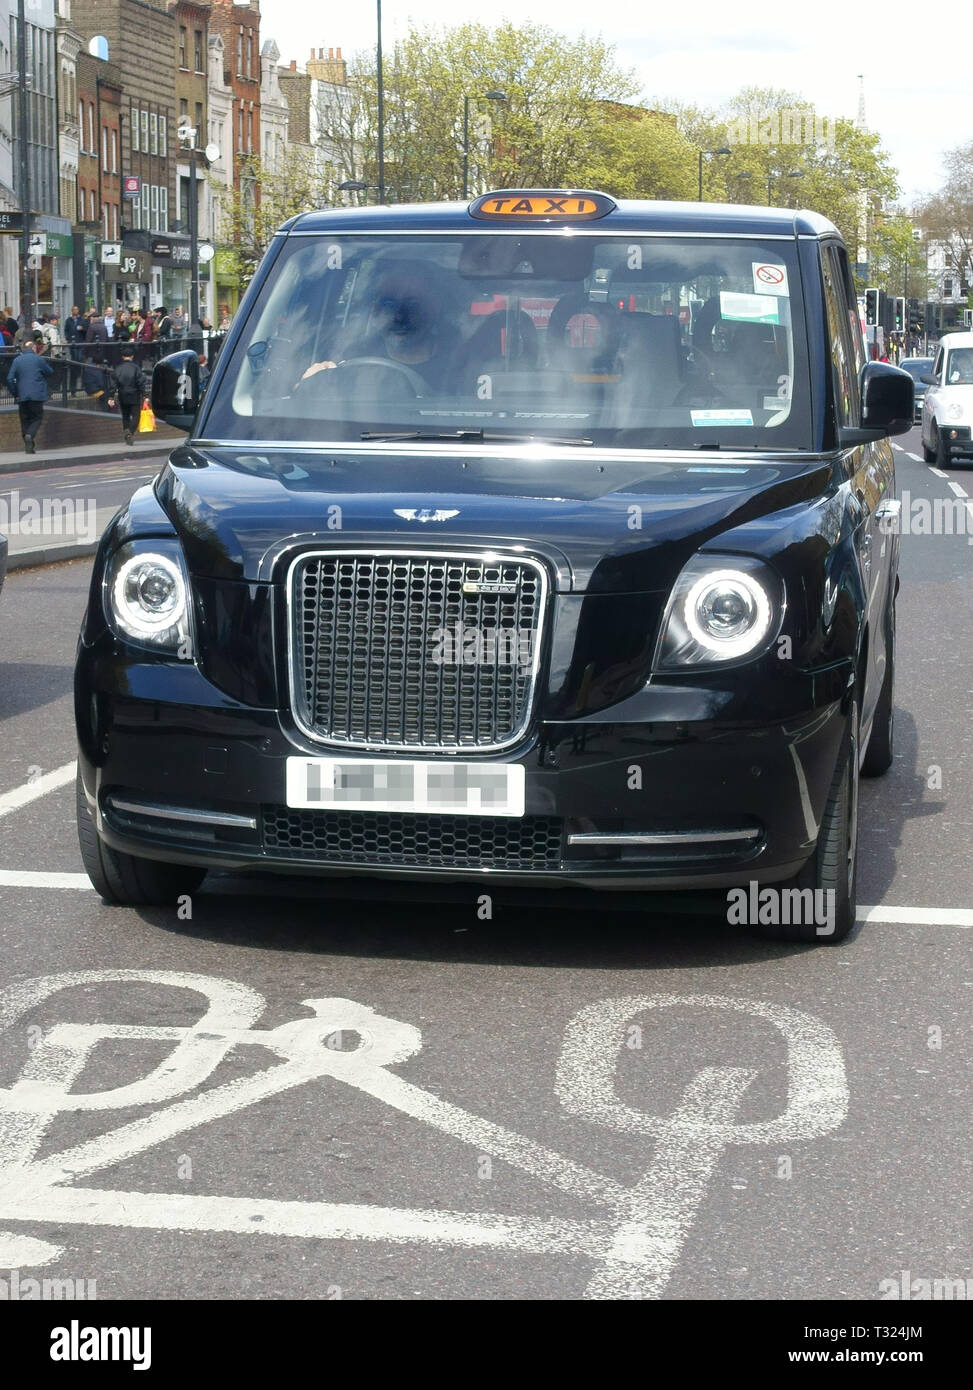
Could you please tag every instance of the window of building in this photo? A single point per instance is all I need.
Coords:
(153, 132)
(183, 109)
(199, 123)
(163, 135)
(249, 130)
(182, 46)
(114, 151)
(163, 209)
(239, 54)
(198, 50)
(92, 146)
(135, 130)
(104, 148)
(105, 221)
(92, 210)
(81, 123)
(145, 132)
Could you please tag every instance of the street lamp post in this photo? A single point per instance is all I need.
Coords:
(487, 96)
(381, 105)
(724, 149)
(24, 132)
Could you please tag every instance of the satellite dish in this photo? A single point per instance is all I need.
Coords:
(98, 47)
(213, 153)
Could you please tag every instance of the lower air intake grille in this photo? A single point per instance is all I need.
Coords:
(413, 841)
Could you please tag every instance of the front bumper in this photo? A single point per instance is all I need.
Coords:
(957, 439)
(175, 770)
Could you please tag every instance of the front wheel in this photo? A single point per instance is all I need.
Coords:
(942, 450)
(822, 899)
(125, 879)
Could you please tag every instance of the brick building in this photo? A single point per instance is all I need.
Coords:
(141, 37)
(239, 28)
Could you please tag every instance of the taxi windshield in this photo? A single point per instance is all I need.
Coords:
(588, 339)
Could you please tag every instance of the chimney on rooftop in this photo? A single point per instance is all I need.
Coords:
(330, 68)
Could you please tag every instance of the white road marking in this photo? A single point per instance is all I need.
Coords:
(635, 1245)
(32, 791)
(13, 878)
(955, 487)
(899, 447)
(917, 458)
(938, 472)
(918, 916)
(689, 1143)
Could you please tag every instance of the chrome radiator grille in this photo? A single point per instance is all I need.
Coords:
(414, 651)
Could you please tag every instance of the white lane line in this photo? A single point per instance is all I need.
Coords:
(938, 472)
(916, 457)
(955, 487)
(11, 878)
(32, 791)
(918, 916)
(899, 447)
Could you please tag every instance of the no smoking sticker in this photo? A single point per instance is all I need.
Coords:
(769, 278)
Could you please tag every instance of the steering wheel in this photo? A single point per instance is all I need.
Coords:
(417, 383)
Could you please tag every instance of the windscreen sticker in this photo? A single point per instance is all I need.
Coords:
(748, 308)
(721, 417)
(769, 278)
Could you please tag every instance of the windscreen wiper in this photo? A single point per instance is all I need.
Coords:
(471, 437)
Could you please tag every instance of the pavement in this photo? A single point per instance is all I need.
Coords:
(14, 462)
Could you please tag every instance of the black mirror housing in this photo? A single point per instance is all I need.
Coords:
(888, 404)
(175, 389)
(930, 379)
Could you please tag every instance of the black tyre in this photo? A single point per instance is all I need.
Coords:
(942, 452)
(833, 868)
(124, 879)
(928, 454)
(880, 751)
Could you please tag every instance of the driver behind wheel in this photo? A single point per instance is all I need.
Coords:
(406, 326)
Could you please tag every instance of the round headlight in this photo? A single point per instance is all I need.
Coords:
(728, 611)
(149, 595)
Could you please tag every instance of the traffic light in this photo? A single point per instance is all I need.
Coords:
(898, 314)
(871, 307)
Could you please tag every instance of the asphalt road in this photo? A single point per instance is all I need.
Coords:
(560, 1101)
(49, 508)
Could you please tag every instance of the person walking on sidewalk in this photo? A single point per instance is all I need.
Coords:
(28, 382)
(130, 387)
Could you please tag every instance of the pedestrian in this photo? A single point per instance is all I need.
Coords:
(130, 387)
(163, 322)
(49, 330)
(226, 318)
(11, 321)
(27, 380)
(109, 321)
(146, 335)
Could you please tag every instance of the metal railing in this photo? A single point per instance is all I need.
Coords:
(82, 376)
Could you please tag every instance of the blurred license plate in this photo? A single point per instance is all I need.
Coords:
(447, 788)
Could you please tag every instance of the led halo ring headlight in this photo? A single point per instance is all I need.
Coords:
(148, 598)
(728, 612)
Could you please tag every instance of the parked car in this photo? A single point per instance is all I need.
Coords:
(918, 368)
(947, 407)
(470, 571)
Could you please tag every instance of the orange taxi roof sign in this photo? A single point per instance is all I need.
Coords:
(549, 205)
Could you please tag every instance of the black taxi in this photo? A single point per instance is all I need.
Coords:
(545, 540)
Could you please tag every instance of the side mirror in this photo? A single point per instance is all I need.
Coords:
(175, 389)
(930, 379)
(888, 404)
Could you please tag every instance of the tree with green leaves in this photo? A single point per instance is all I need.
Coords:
(947, 217)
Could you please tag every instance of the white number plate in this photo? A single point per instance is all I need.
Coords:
(447, 788)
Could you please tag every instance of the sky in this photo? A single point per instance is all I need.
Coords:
(915, 60)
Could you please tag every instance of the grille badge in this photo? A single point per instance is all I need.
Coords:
(475, 586)
(426, 513)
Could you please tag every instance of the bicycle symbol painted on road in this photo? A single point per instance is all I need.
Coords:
(634, 1242)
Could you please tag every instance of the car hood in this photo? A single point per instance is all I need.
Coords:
(604, 522)
(956, 404)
